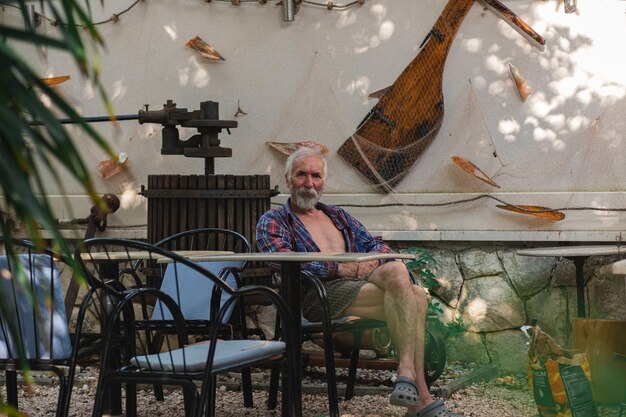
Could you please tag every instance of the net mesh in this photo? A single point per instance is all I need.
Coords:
(397, 134)
(597, 161)
(409, 115)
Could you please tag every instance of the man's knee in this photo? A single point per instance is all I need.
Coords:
(396, 275)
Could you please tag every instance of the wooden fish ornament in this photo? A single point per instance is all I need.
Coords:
(379, 93)
(110, 167)
(287, 148)
(52, 81)
(539, 211)
(204, 49)
(516, 23)
(522, 86)
(472, 169)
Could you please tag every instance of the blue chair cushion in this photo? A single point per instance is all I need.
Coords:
(229, 354)
(193, 291)
(41, 320)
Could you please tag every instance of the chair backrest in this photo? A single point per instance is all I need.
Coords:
(32, 309)
(192, 291)
(106, 260)
(187, 288)
(132, 307)
(208, 238)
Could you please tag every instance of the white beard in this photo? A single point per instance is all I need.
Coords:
(305, 198)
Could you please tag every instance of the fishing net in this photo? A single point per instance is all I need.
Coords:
(410, 112)
(386, 145)
(303, 121)
(596, 163)
(405, 144)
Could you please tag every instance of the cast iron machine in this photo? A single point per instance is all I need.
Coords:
(185, 202)
(203, 145)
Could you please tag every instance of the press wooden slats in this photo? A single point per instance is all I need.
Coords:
(174, 206)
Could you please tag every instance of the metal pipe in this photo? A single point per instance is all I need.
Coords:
(289, 10)
(93, 119)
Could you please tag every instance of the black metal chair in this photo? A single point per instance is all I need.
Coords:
(204, 239)
(129, 355)
(34, 329)
(435, 353)
(190, 294)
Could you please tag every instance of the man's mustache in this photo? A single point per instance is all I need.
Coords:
(307, 192)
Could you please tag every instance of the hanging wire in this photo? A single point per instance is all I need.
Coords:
(115, 17)
(479, 197)
(37, 17)
(3, 3)
(329, 4)
(482, 196)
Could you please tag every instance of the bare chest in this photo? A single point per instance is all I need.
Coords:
(324, 233)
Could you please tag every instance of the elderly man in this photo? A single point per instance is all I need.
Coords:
(375, 290)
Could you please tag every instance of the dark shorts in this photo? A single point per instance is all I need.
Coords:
(340, 292)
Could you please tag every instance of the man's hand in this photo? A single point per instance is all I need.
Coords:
(361, 270)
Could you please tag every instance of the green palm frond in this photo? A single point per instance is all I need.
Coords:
(28, 150)
(31, 154)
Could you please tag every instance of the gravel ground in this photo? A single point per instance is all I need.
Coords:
(507, 396)
(501, 397)
(480, 400)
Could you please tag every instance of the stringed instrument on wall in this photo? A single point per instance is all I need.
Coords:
(409, 114)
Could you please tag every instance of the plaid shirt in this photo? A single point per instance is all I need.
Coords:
(280, 230)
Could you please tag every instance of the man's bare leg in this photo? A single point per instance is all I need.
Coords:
(394, 299)
(420, 335)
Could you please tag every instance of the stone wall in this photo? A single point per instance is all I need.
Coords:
(495, 292)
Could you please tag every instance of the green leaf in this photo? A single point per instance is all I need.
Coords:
(31, 156)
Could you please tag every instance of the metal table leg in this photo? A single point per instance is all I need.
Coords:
(579, 262)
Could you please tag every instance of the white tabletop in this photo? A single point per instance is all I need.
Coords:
(136, 255)
(573, 251)
(305, 256)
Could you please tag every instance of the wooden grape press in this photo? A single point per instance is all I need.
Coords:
(183, 202)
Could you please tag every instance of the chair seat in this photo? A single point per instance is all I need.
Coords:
(229, 354)
(189, 288)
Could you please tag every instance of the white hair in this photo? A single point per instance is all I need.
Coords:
(304, 151)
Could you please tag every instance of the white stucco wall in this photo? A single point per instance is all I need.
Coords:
(309, 80)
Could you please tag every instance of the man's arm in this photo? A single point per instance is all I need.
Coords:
(359, 239)
(272, 236)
